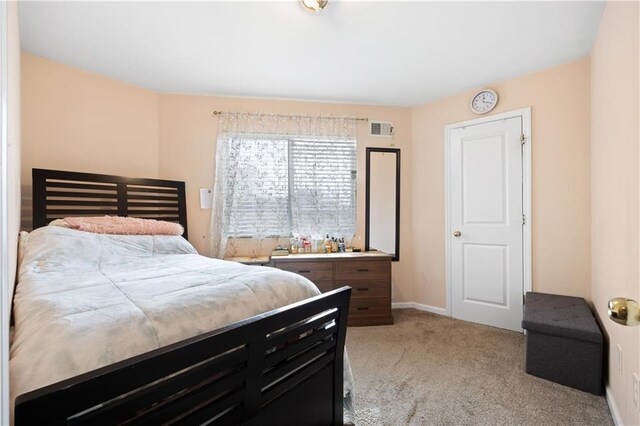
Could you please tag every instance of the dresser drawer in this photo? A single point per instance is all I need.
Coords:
(376, 307)
(367, 288)
(364, 269)
(314, 271)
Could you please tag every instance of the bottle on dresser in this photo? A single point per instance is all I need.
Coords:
(327, 244)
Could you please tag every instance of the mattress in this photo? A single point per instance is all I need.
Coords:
(87, 300)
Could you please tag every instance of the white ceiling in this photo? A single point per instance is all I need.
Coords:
(390, 53)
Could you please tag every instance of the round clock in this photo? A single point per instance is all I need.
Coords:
(484, 101)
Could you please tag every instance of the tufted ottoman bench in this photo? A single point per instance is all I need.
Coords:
(564, 342)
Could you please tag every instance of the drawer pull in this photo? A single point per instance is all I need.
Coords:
(363, 288)
(363, 309)
(363, 270)
(306, 271)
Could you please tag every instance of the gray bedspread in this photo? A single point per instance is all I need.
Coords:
(87, 300)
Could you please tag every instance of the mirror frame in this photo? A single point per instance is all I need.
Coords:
(396, 255)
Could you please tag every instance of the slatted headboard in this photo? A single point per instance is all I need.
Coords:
(58, 194)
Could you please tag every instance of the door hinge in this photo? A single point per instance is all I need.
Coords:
(524, 220)
(522, 138)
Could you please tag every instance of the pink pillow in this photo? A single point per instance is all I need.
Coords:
(124, 225)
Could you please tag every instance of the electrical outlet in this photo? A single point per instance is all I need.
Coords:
(636, 391)
(619, 359)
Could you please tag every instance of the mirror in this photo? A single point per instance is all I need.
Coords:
(382, 211)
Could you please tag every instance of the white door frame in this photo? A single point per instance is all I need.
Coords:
(5, 297)
(525, 113)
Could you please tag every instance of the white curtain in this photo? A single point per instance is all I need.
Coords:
(281, 175)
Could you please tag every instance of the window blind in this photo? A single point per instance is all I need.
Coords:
(323, 186)
(278, 187)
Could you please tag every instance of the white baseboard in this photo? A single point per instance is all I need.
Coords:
(402, 305)
(420, 307)
(613, 407)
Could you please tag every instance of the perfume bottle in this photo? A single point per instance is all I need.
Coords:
(327, 244)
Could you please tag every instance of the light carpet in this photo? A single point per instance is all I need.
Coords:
(428, 369)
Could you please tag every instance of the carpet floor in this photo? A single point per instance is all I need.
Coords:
(432, 370)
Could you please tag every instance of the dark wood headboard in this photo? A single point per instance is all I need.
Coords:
(58, 194)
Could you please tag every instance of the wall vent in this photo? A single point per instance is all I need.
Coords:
(381, 128)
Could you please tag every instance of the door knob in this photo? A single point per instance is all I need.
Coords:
(624, 311)
(457, 233)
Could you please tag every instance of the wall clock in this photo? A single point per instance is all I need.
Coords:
(484, 101)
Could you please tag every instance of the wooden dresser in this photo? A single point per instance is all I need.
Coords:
(367, 273)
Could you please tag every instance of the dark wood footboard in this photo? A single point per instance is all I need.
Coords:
(283, 367)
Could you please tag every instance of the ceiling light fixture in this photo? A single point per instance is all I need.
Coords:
(314, 5)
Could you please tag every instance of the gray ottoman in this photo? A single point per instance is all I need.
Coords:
(564, 342)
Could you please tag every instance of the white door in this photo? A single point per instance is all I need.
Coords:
(486, 223)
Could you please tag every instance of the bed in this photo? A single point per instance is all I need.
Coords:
(156, 334)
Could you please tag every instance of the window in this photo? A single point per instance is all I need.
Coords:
(282, 186)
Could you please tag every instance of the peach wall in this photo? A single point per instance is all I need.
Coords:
(187, 143)
(615, 137)
(76, 120)
(560, 104)
(82, 121)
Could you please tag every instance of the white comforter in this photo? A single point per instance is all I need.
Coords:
(86, 300)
